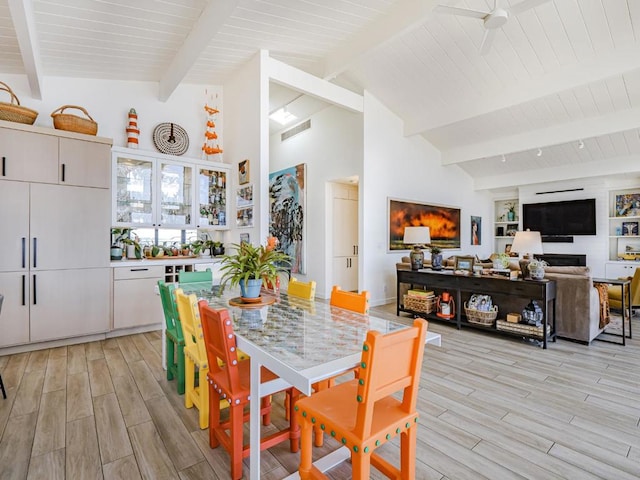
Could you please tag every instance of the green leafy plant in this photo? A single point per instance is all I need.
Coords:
(122, 236)
(252, 262)
(434, 250)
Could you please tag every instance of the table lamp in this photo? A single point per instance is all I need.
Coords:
(527, 243)
(418, 237)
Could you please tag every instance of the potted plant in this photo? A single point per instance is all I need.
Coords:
(501, 261)
(250, 266)
(436, 257)
(536, 268)
(217, 248)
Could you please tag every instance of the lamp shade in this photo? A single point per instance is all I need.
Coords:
(416, 236)
(527, 242)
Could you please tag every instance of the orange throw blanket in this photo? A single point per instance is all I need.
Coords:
(603, 291)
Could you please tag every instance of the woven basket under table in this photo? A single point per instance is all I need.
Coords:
(481, 317)
(419, 304)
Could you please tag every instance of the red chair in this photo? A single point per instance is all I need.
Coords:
(231, 381)
(364, 413)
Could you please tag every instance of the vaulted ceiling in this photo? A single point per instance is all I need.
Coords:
(557, 95)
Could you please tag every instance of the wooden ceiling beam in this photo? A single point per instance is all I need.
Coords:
(211, 20)
(21, 12)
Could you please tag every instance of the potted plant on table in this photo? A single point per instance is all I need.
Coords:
(122, 237)
(536, 268)
(250, 266)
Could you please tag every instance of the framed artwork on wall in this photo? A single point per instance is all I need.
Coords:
(628, 205)
(243, 172)
(476, 230)
(287, 213)
(443, 223)
(244, 217)
(244, 196)
(630, 228)
(245, 238)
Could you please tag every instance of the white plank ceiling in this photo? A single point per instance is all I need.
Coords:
(562, 74)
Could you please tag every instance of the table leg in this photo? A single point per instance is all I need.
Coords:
(254, 421)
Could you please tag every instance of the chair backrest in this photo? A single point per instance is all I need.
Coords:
(356, 302)
(189, 315)
(170, 309)
(193, 277)
(390, 363)
(306, 290)
(220, 343)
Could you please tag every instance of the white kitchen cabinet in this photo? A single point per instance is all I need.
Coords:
(620, 269)
(14, 319)
(28, 156)
(156, 190)
(69, 303)
(54, 267)
(345, 272)
(135, 300)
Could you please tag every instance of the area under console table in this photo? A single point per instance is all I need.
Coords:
(512, 292)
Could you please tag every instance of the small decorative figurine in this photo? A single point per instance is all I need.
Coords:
(132, 129)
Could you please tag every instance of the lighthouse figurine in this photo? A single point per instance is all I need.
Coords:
(133, 133)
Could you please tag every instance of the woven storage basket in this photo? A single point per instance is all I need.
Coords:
(419, 304)
(481, 317)
(524, 329)
(13, 112)
(73, 123)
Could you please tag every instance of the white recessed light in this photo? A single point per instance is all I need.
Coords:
(504, 159)
(580, 144)
(539, 154)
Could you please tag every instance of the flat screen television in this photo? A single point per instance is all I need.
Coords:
(572, 217)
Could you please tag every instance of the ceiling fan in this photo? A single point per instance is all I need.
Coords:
(492, 20)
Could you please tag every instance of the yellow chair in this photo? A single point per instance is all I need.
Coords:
(304, 290)
(615, 294)
(369, 414)
(195, 356)
(356, 302)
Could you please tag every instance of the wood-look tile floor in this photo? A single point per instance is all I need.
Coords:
(491, 408)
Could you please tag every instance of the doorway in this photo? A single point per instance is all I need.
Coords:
(344, 234)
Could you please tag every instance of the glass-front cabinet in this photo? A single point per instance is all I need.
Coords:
(156, 190)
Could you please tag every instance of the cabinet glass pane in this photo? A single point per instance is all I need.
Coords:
(134, 189)
(212, 197)
(175, 194)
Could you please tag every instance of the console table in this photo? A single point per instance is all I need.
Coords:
(462, 286)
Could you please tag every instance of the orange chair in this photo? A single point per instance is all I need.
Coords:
(304, 290)
(356, 302)
(369, 415)
(230, 379)
(195, 356)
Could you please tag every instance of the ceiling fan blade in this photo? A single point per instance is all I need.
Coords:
(489, 35)
(460, 11)
(525, 5)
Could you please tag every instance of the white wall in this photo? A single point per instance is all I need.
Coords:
(332, 150)
(407, 168)
(108, 102)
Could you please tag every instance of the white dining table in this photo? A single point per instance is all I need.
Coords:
(302, 342)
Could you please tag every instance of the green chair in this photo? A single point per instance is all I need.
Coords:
(193, 277)
(173, 335)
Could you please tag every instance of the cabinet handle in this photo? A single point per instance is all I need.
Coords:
(35, 300)
(4, 166)
(139, 270)
(35, 252)
(63, 171)
(24, 290)
(24, 252)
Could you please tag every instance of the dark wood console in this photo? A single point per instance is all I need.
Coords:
(515, 293)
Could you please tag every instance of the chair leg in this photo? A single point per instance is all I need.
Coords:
(235, 430)
(203, 394)
(294, 427)
(189, 380)
(408, 453)
(4, 393)
(170, 361)
(180, 368)
(306, 432)
(361, 466)
(265, 403)
(214, 417)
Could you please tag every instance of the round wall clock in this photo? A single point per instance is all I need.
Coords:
(171, 138)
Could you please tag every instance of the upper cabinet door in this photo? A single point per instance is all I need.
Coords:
(14, 226)
(212, 198)
(28, 157)
(85, 164)
(175, 206)
(133, 192)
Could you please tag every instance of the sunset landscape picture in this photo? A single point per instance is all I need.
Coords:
(443, 223)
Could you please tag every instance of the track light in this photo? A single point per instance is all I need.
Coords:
(580, 144)
(539, 154)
